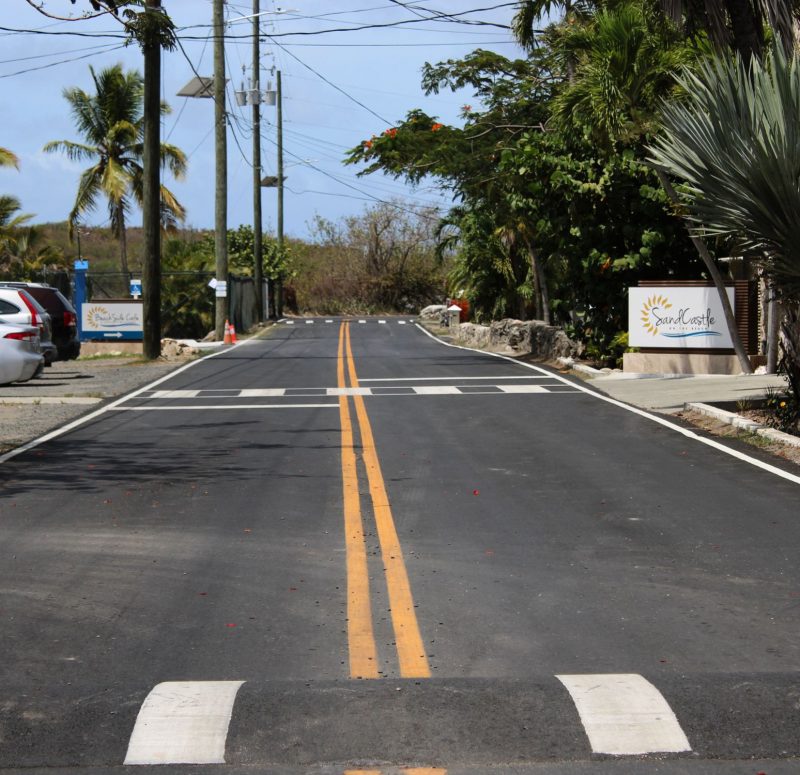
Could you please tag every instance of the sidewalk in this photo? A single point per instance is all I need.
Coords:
(667, 393)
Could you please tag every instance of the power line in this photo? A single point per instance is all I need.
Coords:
(330, 83)
(62, 62)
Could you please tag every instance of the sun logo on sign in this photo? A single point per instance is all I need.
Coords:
(95, 316)
(660, 302)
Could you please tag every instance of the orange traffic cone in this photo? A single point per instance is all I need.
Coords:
(233, 334)
(226, 339)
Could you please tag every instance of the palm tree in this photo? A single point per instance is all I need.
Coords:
(735, 140)
(624, 70)
(9, 217)
(112, 123)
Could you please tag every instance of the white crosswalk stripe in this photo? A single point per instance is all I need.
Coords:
(378, 391)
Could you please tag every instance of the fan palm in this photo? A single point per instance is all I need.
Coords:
(735, 140)
(112, 123)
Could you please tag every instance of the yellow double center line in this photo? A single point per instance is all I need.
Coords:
(361, 637)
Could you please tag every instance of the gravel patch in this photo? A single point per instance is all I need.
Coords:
(63, 390)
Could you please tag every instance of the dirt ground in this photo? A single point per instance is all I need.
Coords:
(717, 428)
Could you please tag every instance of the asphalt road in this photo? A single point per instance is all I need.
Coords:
(349, 548)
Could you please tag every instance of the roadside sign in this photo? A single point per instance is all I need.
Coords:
(677, 317)
(114, 320)
(221, 289)
(136, 288)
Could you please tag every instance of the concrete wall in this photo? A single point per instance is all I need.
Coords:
(107, 348)
(680, 363)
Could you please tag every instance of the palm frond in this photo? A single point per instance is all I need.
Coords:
(73, 151)
(8, 158)
(735, 140)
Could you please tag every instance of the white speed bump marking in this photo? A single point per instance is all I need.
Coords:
(436, 390)
(523, 389)
(174, 394)
(183, 722)
(625, 715)
(349, 391)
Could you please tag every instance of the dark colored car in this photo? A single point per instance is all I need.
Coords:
(63, 317)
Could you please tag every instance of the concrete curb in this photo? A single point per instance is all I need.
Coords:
(737, 421)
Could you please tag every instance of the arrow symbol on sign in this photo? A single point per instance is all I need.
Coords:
(117, 335)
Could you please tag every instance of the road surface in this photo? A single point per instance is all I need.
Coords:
(349, 548)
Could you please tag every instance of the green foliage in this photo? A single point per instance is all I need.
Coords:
(783, 411)
(735, 139)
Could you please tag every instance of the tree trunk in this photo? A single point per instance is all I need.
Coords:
(123, 246)
(540, 285)
(747, 27)
(773, 327)
(700, 246)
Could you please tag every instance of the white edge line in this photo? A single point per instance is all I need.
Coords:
(108, 407)
(443, 379)
(635, 410)
(206, 407)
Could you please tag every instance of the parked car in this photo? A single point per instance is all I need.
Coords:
(63, 317)
(20, 356)
(18, 306)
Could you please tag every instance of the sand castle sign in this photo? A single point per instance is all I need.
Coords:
(671, 317)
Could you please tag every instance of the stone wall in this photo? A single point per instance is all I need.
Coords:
(518, 337)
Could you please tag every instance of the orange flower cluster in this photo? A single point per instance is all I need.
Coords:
(391, 132)
(436, 127)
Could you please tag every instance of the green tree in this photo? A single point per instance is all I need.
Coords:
(25, 252)
(111, 122)
(737, 24)
(735, 140)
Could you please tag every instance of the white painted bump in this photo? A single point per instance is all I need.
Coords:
(523, 389)
(174, 394)
(183, 722)
(436, 390)
(625, 715)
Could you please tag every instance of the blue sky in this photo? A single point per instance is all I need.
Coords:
(379, 68)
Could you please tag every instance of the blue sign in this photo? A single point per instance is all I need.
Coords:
(136, 288)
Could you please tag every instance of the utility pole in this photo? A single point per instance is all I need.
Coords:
(258, 249)
(221, 155)
(151, 192)
(279, 95)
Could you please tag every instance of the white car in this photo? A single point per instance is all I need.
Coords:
(21, 358)
(18, 306)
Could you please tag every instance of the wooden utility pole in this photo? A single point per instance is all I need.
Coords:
(258, 248)
(279, 95)
(151, 192)
(221, 155)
